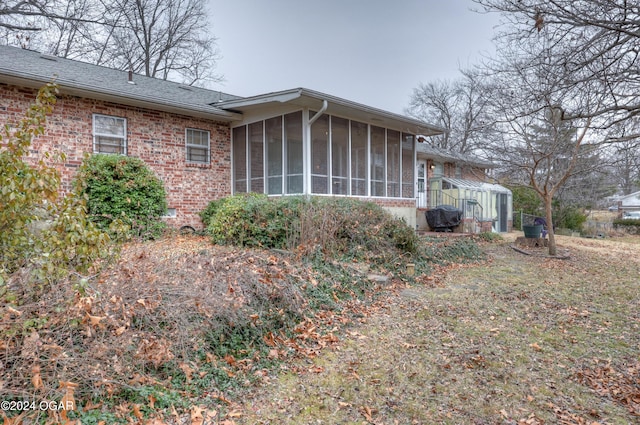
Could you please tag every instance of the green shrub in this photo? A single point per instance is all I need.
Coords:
(489, 236)
(124, 188)
(253, 220)
(335, 225)
(210, 211)
(631, 226)
(570, 217)
(40, 231)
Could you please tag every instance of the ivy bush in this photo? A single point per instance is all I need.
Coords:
(40, 231)
(123, 188)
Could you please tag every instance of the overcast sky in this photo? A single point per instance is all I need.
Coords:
(368, 51)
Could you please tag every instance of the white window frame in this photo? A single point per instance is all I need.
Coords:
(355, 159)
(193, 145)
(97, 134)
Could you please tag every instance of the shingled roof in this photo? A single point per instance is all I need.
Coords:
(33, 69)
(440, 154)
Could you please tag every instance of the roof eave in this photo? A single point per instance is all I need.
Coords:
(81, 90)
(452, 158)
(414, 126)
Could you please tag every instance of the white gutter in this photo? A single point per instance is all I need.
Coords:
(313, 119)
(306, 146)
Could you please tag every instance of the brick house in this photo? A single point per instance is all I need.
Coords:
(205, 144)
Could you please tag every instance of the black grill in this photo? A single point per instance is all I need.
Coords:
(443, 218)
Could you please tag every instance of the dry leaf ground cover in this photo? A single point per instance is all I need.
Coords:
(516, 340)
(175, 330)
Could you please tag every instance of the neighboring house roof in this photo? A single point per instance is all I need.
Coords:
(314, 100)
(33, 69)
(476, 185)
(440, 154)
(631, 200)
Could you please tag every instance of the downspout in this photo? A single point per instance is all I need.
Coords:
(313, 119)
(306, 154)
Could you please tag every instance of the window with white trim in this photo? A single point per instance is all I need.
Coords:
(109, 134)
(198, 145)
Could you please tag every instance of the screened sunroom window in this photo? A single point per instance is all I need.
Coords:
(393, 164)
(320, 155)
(339, 156)
(295, 164)
(273, 132)
(256, 156)
(377, 161)
(278, 141)
(359, 137)
(240, 159)
(345, 158)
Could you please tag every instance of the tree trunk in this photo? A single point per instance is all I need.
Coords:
(553, 250)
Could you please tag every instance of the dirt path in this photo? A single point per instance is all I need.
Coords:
(518, 340)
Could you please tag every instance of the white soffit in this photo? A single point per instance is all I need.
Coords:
(305, 98)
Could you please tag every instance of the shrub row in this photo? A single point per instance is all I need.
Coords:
(337, 225)
(631, 226)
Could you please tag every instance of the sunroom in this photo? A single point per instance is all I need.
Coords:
(302, 142)
(485, 206)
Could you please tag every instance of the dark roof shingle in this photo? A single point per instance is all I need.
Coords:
(100, 82)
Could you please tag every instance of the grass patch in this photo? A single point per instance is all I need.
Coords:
(517, 339)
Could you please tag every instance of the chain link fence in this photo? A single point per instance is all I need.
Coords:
(523, 219)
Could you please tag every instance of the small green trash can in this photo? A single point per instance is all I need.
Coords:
(532, 231)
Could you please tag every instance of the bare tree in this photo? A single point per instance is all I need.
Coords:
(600, 40)
(162, 38)
(585, 55)
(32, 16)
(546, 134)
(458, 106)
(166, 39)
(71, 38)
(33, 23)
(23, 15)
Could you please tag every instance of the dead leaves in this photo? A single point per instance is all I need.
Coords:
(156, 351)
(621, 383)
(535, 346)
(566, 417)
(368, 413)
(201, 416)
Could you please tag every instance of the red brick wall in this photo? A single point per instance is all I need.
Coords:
(392, 203)
(158, 138)
(468, 173)
(474, 173)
